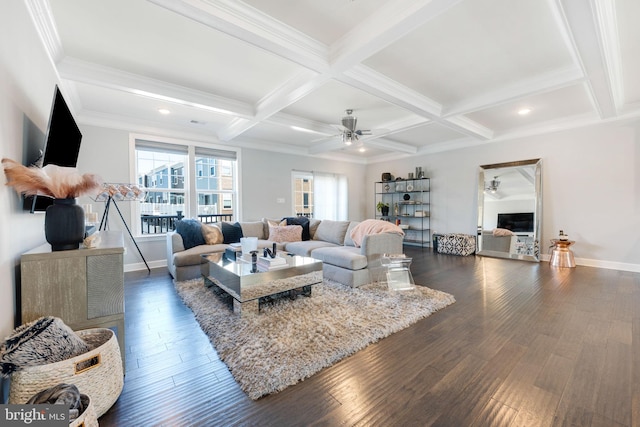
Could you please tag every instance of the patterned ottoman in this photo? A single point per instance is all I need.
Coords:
(457, 244)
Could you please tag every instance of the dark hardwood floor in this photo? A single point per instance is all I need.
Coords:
(524, 345)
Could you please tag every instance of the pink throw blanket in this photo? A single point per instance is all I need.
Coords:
(372, 226)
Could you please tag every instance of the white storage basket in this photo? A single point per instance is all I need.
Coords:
(97, 373)
(88, 418)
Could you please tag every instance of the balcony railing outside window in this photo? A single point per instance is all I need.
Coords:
(158, 224)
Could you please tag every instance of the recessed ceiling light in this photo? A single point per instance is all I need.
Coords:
(362, 149)
(163, 111)
(524, 111)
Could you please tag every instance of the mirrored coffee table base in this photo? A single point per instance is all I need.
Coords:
(249, 290)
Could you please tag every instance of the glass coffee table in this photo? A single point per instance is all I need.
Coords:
(248, 288)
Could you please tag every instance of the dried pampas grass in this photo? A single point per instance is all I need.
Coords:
(51, 180)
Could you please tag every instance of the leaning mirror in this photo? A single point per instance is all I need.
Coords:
(509, 210)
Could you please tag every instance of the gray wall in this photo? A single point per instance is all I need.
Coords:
(266, 176)
(590, 188)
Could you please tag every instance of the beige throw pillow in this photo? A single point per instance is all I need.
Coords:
(285, 233)
(212, 234)
(274, 223)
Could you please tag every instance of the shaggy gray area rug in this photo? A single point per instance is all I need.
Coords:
(290, 340)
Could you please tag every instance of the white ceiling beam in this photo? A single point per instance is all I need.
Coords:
(252, 26)
(391, 91)
(392, 21)
(289, 120)
(330, 145)
(289, 92)
(101, 76)
(379, 85)
(578, 21)
(389, 145)
(553, 80)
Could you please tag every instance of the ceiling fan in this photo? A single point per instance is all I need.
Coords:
(350, 133)
(493, 185)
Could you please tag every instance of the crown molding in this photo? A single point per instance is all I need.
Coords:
(577, 20)
(45, 25)
(110, 78)
(605, 15)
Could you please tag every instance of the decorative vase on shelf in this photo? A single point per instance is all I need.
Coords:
(384, 210)
(64, 224)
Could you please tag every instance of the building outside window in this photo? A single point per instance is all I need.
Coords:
(173, 192)
(303, 194)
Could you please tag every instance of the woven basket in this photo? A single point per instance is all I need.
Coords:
(97, 373)
(88, 418)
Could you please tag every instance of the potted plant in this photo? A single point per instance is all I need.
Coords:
(383, 208)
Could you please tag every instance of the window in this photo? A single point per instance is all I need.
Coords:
(320, 195)
(303, 194)
(163, 168)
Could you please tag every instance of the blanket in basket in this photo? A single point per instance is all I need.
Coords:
(45, 340)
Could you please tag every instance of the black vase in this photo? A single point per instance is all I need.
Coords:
(384, 210)
(64, 225)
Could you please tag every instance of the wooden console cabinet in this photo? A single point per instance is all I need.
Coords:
(83, 287)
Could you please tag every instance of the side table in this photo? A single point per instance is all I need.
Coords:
(398, 271)
(562, 256)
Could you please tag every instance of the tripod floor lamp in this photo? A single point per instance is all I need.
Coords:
(121, 192)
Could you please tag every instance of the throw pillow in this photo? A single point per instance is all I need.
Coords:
(313, 227)
(300, 220)
(276, 223)
(253, 229)
(499, 232)
(285, 233)
(212, 234)
(191, 232)
(231, 233)
(373, 226)
(43, 341)
(332, 231)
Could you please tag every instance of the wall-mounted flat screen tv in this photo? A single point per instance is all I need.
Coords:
(62, 145)
(516, 222)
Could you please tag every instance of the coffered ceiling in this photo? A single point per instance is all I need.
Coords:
(423, 75)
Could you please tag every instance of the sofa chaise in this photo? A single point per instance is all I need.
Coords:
(353, 263)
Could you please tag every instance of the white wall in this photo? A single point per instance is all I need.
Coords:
(27, 81)
(590, 188)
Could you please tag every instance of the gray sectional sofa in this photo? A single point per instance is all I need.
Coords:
(330, 242)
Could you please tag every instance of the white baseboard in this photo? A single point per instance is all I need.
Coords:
(609, 265)
(140, 265)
